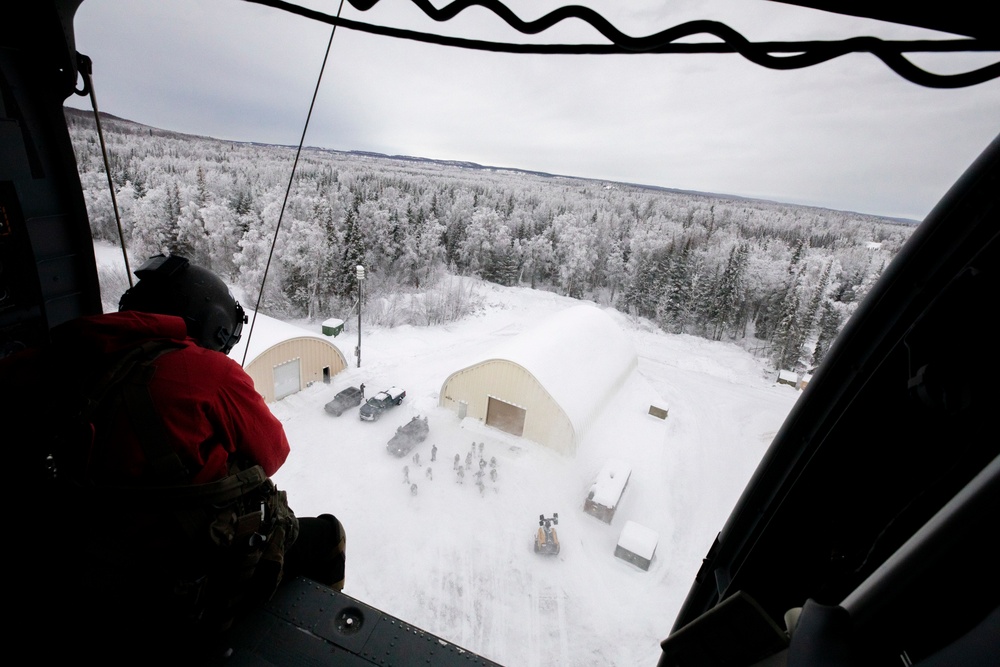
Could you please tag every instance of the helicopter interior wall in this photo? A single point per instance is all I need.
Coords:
(962, 17)
(48, 273)
(897, 421)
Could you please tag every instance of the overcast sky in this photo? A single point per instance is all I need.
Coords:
(849, 134)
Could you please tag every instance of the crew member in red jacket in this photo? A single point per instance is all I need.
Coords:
(203, 425)
(208, 406)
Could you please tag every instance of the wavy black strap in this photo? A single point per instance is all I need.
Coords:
(807, 53)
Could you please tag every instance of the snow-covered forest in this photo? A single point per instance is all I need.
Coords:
(776, 278)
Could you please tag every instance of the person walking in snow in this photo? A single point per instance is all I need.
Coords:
(434, 453)
(406, 474)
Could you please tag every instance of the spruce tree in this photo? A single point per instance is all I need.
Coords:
(789, 336)
(354, 250)
(829, 328)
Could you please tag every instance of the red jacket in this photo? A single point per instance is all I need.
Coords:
(207, 403)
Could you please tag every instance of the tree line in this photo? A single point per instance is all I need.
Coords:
(776, 277)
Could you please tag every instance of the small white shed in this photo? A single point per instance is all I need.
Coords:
(637, 545)
(788, 377)
(805, 380)
(607, 490)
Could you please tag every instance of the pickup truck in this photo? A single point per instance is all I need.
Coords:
(381, 402)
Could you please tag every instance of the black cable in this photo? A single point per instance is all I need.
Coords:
(86, 68)
(288, 190)
(807, 53)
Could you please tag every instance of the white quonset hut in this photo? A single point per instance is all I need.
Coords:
(547, 384)
(284, 358)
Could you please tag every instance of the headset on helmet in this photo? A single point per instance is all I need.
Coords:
(173, 286)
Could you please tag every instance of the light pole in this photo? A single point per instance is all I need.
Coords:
(361, 277)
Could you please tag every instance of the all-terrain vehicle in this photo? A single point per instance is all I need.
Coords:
(408, 436)
(546, 539)
(345, 398)
(381, 402)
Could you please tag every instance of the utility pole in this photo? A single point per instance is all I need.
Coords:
(361, 277)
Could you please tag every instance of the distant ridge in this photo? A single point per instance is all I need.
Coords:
(86, 116)
(461, 164)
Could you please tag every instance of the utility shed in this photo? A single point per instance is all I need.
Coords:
(788, 377)
(284, 358)
(607, 490)
(333, 327)
(549, 383)
(805, 380)
(637, 544)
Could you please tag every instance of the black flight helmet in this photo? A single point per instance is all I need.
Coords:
(174, 286)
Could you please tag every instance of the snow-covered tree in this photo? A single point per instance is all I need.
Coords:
(714, 266)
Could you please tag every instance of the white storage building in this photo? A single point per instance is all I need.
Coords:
(284, 358)
(606, 491)
(637, 545)
(547, 384)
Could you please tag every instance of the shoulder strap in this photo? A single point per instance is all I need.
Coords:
(130, 375)
(186, 496)
(120, 370)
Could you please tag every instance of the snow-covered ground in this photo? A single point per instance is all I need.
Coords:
(460, 563)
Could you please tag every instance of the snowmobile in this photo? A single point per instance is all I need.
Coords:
(546, 539)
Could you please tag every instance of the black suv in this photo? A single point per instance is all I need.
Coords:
(346, 398)
(408, 436)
